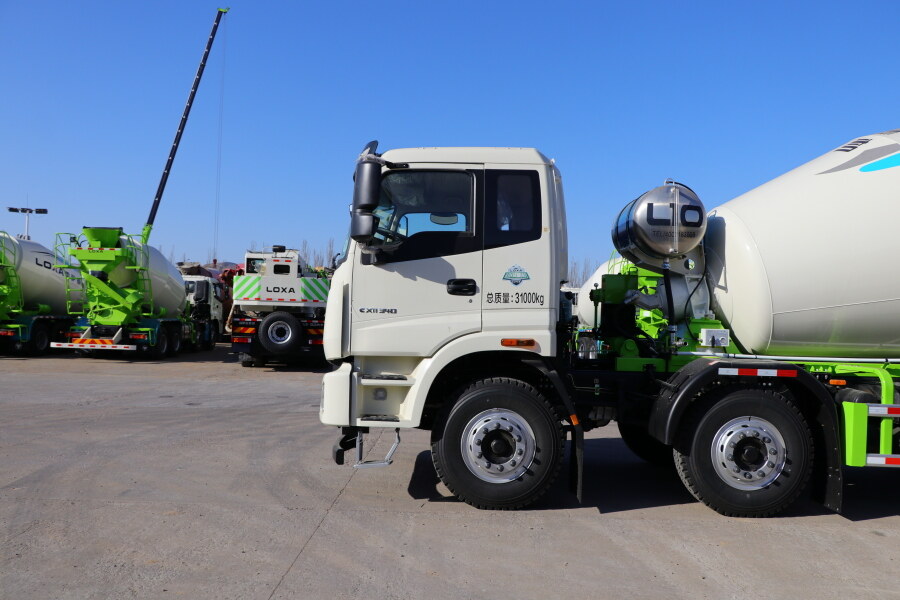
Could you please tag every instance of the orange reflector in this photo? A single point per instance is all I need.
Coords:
(138, 336)
(9, 332)
(518, 342)
(573, 419)
(240, 340)
(837, 382)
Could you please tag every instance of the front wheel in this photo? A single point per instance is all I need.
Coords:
(500, 446)
(749, 454)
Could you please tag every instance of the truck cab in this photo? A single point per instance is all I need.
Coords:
(449, 266)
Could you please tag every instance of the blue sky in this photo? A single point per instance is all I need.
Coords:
(722, 96)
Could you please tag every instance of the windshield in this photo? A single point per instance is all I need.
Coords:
(413, 202)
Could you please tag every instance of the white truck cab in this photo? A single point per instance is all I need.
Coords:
(447, 272)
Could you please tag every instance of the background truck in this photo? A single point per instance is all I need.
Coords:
(755, 346)
(32, 296)
(134, 299)
(279, 308)
(209, 301)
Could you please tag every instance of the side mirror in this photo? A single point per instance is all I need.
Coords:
(201, 292)
(366, 193)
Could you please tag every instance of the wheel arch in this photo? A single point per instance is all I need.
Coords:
(482, 365)
(697, 379)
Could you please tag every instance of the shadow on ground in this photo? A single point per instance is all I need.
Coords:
(615, 480)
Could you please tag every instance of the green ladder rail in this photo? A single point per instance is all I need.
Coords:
(139, 258)
(75, 296)
(856, 422)
(11, 298)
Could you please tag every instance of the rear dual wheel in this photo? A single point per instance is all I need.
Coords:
(746, 453)
(500, 446)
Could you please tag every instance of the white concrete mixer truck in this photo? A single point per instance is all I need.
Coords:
(757, 345)
(33, 296)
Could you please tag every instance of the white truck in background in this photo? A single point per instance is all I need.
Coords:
(208, 298)
(755, 346)
(279, 309)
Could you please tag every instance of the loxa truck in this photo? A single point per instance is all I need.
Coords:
(279, 308)
(33, 297)
(761, 371)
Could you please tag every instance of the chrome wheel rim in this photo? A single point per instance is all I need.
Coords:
(748, 453)
(498, 445)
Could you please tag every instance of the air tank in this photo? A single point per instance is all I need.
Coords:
(802, 265)
(40, 282)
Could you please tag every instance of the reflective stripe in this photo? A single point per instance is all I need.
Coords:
(758, 372)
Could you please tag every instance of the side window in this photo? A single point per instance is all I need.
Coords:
(425, 214)
(219, 291)
(512, 207)
(281, 269)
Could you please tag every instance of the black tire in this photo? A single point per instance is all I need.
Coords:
(246, 363)
(745, 452)
(158, 352)
(175, 341)
(280, 333)
(40, 339)
(524, 461)
(645, 446)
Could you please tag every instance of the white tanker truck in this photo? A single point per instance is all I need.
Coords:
(33, 296)
(757, 345)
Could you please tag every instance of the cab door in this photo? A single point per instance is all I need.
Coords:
(421, 286)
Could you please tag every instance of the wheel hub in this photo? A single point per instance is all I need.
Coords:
(748, 453)
(497, 445)
(279, 332)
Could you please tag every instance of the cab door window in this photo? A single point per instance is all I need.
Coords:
(425, 214)
(512, 207)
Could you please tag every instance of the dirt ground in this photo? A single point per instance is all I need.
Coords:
(196, 478)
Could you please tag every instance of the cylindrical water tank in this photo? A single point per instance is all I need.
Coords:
(802, 265)
(41, 283)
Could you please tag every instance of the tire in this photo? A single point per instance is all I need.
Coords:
(749, 454)
(207, 341)
(515, 461)
(247, 363)
(645, 446)
(40, 339)
(175, 341)
(280, 333)
(158, 352)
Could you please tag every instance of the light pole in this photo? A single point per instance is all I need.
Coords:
(27, 211)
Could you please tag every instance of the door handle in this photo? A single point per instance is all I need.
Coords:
(461, 287)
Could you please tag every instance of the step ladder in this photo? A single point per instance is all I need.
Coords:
(856, 424)
(75, 298)
(139, 262)
(10, 286)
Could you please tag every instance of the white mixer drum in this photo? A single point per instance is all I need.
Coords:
(41, 283)
(801, 264)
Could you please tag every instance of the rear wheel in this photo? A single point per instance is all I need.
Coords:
(158, 351)
(279, 333)
(40, 339)
(644, 445)
(175, 341)
(500, 446)
(747, 455)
